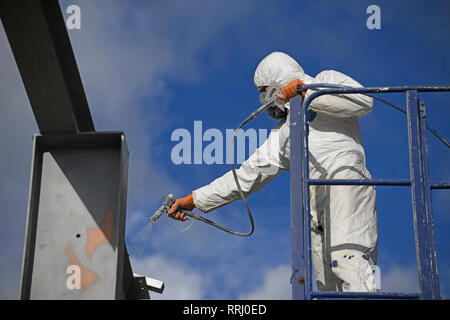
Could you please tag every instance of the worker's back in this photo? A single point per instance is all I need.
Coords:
(334, 142)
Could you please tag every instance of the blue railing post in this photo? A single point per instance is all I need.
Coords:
(306, 201)
(297, 201)
(435, 293)
(418, 196)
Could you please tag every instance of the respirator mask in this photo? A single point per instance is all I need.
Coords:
(277, 110)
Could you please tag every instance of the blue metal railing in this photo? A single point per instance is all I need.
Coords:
(419, 182)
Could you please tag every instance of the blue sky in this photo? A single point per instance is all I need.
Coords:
(149, 68)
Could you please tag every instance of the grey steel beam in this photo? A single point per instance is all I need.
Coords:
(39, 41)
(76, 219)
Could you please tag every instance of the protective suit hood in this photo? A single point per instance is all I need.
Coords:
(277, 69)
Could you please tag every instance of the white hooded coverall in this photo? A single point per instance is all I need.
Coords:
(343, 218)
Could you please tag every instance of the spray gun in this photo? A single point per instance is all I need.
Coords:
(167, 203)
(165, 206)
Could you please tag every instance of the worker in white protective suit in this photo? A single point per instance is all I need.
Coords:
(343, 218)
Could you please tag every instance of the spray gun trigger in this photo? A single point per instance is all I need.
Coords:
(177, 228)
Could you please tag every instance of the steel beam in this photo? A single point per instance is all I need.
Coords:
(76, 219)
(39, 41)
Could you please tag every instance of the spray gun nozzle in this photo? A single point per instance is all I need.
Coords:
(168, 201)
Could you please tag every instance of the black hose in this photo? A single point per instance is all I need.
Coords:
(241, 194)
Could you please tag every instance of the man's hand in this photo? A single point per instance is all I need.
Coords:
(290, 90)
(186, 203)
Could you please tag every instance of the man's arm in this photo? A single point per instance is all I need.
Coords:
(256, 172)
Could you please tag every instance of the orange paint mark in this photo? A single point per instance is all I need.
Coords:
(87, 276)
(97, 236)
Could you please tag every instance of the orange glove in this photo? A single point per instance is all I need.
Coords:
(290, 90)
(186, 203)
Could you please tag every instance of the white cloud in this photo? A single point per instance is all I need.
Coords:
(400, 279)
(275, 286)
(180, 280)
(125, 53)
